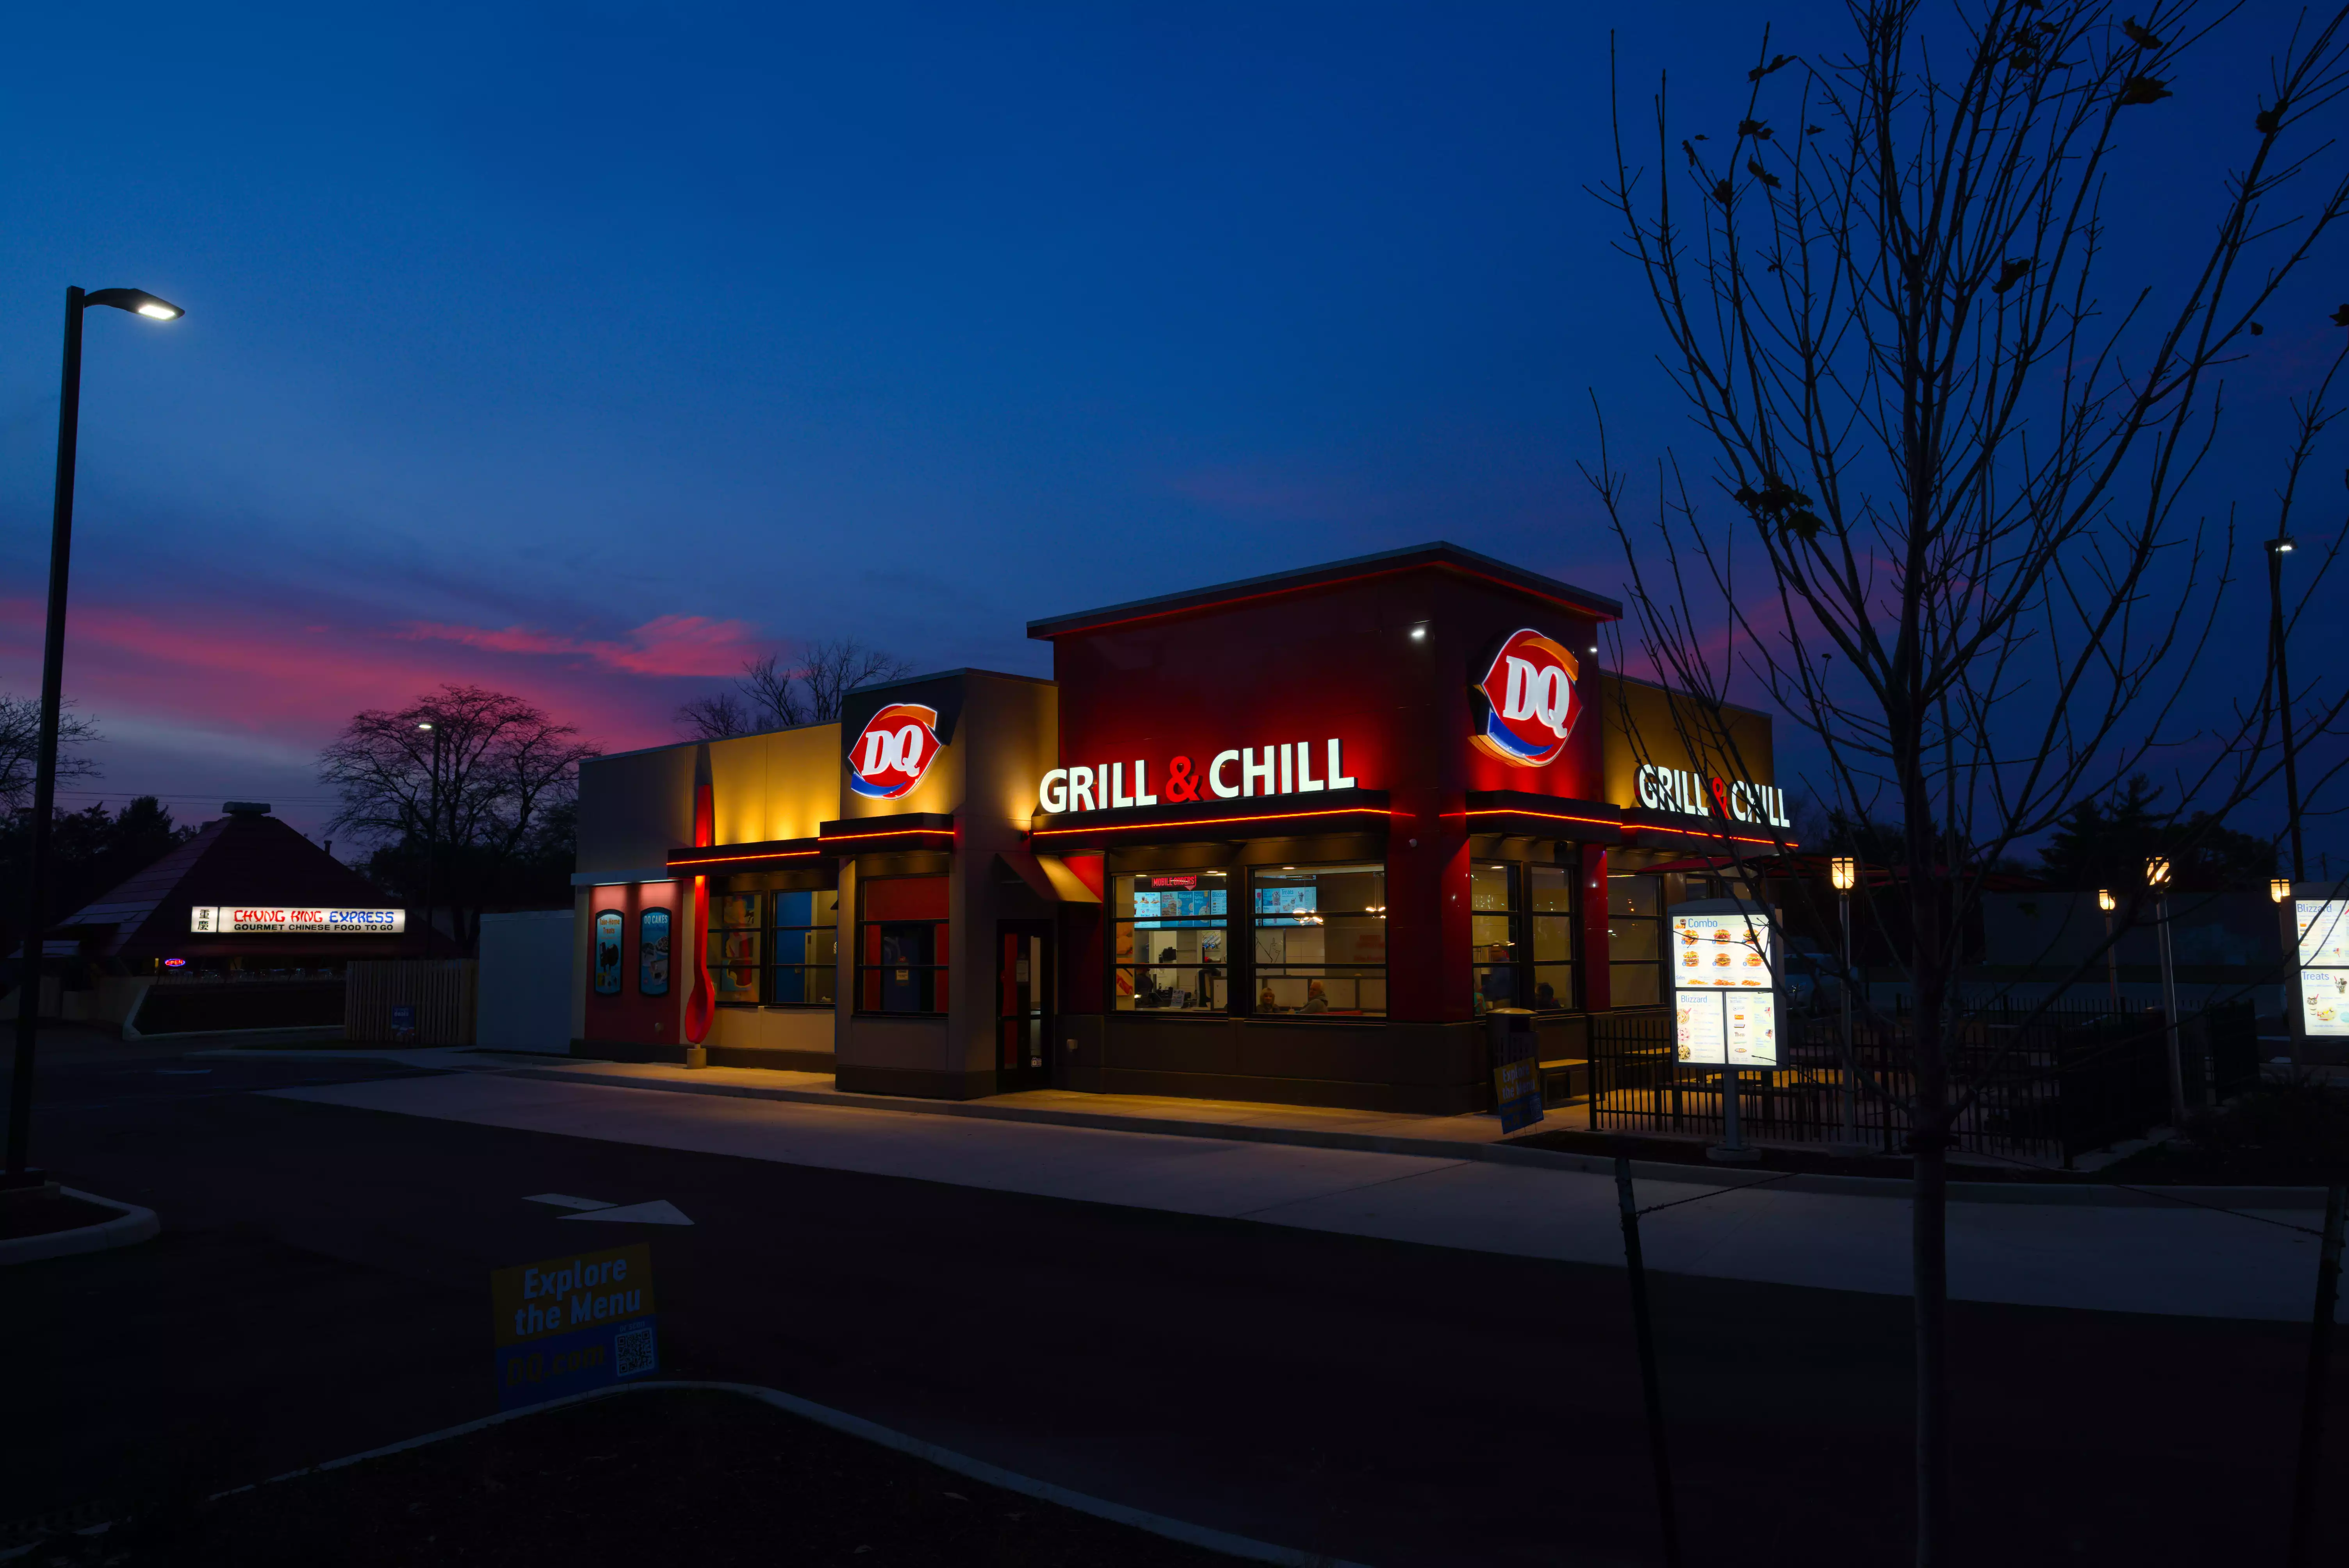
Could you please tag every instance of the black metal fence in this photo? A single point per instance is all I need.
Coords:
(2046, 1084)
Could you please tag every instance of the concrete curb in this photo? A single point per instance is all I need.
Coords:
(131, 1226)
(2088, 1193)
(979, 1470)
(440, 1056)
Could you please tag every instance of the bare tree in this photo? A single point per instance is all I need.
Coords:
(768, 695)
(20, 739)
(1948, 523)
(838, 666)
(466, 797)
(717, 716)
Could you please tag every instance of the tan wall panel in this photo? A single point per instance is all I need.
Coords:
(1648, 724)
(781, 785)
(634, 809)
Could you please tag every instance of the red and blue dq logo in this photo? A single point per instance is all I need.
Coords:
(894, 750)
(1529, 700)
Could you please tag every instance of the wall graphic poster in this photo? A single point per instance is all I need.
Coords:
(652, 952)
(607, 953)
(1724, 969)
(2323, 925)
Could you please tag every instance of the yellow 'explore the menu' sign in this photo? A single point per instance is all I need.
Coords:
(566, 1325)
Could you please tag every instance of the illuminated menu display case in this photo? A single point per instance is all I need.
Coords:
(2323, 927)
(1724, 967)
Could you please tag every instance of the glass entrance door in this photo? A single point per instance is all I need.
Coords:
(1023, 1023)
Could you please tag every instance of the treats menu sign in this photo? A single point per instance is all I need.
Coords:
(2323, 926)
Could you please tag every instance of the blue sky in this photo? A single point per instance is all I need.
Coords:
(587, 350)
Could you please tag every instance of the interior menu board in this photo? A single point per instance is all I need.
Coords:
(1724, 990)
(2323, 926)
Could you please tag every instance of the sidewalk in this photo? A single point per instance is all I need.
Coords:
(1472, 1137)
(1462, 1194)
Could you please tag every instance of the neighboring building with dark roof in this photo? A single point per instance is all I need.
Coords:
(242, 869)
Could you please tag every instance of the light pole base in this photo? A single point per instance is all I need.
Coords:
(697, 1055)
(1741, 1155)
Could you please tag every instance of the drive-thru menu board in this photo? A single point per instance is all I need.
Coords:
(2323, 964)
(1725, 984)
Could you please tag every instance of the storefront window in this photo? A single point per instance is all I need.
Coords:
(1173, 941)
(1634, 907)
(1494, 909)
(734, 947)
(1320, 938)
(806, 948)
(901, 945)
(1553, 937)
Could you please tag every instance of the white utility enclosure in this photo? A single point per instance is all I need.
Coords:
(523, 996)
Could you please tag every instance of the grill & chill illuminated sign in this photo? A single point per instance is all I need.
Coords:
(1297, 768)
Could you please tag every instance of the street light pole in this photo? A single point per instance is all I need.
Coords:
(2108, 903)
(2157, 877)
(45, 760)
(2278, 548)
(1843, 871)
(432, 836)
(2288, 939)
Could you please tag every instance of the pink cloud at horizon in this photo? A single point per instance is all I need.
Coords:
(236, 673)
(665, 645)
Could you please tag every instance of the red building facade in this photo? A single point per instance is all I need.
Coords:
(1282, 840)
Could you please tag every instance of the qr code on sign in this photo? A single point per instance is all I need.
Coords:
(632, 1352)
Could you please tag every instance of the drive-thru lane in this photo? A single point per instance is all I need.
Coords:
(321, 1288)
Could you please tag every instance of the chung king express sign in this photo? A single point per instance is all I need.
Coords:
(233, 919)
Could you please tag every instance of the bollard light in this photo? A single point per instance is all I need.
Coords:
(2106, 901)
(2157, 872)
(2280, 889)
(1844, 871)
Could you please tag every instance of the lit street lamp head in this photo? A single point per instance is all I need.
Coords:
(2279, 545)
(139, 302)
(2156, 872)
(2106, 901)
(2280, 889)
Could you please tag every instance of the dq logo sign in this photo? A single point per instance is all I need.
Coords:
(1529, 701)
(890, 758)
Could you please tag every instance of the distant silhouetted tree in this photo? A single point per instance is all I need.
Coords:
(770, 694)
(507, 773)
(20, 734)
(93, 851)
(2104, 843)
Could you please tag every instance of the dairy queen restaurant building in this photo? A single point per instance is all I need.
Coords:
(1285, 839)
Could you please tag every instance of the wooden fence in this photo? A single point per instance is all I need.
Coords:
(440, 990)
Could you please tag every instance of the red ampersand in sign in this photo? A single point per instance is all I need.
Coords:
(1182, 784)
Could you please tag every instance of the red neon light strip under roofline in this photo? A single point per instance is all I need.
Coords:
(1627, 826)
(729, 860)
